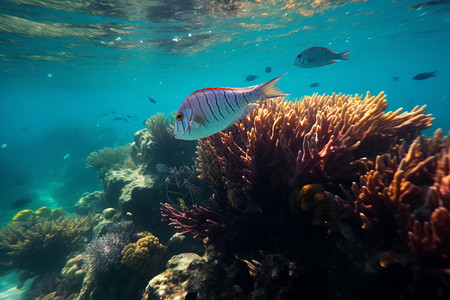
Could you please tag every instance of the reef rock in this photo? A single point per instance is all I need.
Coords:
(174, 282)
(89, 203)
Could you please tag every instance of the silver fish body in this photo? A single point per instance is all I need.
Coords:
(208, 111)
(319, 56)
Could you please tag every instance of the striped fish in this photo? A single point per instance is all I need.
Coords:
(318, 56)
(208, 111)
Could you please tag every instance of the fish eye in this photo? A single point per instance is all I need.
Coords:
(179, 116)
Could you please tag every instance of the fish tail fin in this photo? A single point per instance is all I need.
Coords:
(270, 89)
(344, 55)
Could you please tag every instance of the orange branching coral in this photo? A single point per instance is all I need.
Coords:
(410, 200)
(321, 139)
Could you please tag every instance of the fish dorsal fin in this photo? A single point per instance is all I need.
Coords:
(215, 88)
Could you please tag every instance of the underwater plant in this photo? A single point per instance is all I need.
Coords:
(39, 243)
(157, 145)
(108, 158)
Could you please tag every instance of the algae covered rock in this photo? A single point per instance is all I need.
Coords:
(73, 271)
(89, 203)
(173, 283)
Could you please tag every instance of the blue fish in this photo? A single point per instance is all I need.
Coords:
(319, 56)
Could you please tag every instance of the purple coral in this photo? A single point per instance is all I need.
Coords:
(104, 254)
(197, 221)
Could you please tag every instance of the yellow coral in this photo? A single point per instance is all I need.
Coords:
(145, 255)
(313, 198)
(28, 215)
(43, 212)
(25, 215)
(56, 213)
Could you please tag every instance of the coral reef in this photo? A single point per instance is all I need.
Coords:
(73, 271)
(321, 140)
(90, 203)
(108, 158)
(103, 254)
(38, 242)
(405, 200)
(145, 255)
(157, 145)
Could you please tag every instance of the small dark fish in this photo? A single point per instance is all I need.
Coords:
(113, 112)
(425, 75)
(129, 117)
(151, 100)
(315, 84)
(191, 296)
(104, 114)
(21, 203)
(250, 77)
(395, 78)
(318, 56)
(24, 129)
(118, 118)
(268, 70)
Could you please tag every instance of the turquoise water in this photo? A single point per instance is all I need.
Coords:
(64, 67)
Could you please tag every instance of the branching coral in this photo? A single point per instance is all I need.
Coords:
(321, 139)
(409, 200)
(198, 221)
(40, 244)
(145, 255)
(110, 158)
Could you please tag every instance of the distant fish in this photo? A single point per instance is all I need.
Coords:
(129, 117)
(425, 75)
(162, 168)
(250, 77)
(151, 100)
(315, 84)
(104, 114)
(67, 156)
(268, 70)
(318, 56)
(120, 118)
(395, 78)
(211, 110)
(113, 112)
(21, 203)
(24, 129)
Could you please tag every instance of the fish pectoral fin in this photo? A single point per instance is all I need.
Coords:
(197, 121)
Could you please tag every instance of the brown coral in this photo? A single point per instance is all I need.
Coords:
(145, 255)
(409, 200)
(321, 139)
(41, 244)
